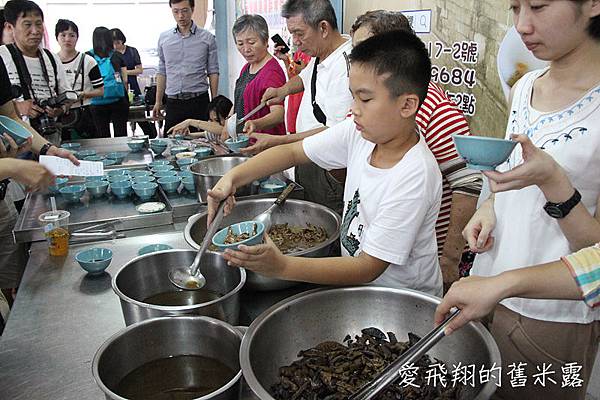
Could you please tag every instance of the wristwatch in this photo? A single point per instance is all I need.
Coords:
(45, 148)
(561, 210)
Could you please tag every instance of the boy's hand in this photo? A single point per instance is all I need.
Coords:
(222, 191)
(265, 259)
(478, 232)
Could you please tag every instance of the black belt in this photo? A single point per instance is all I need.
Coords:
(186, 95)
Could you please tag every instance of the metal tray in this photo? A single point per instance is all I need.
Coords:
(89, 211)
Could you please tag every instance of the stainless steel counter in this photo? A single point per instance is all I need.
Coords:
(87, 212)
(61, 316)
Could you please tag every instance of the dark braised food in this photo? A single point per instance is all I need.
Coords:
(289, 239)
(232, 238)
(334, 371)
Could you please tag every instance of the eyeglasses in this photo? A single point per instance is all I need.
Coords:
(182, 11)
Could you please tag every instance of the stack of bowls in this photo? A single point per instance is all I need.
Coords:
(170, 184)
(118, 156)
(72, 193)
(163, 174)
(97, 188)
(158, 162)
(107, 162)
(159, 145)
(188, 183)
(139, 172)
(178, 149)
(121, 189)
(161, 167)
(144, 190)
(142, 179)
(94, 158)
(202, 152)
(136, 145)
(58, 183)
(82, 154)
(182, 162)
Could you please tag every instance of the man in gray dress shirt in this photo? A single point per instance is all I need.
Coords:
(187, 57)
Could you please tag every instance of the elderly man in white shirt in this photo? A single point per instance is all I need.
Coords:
(326, 98)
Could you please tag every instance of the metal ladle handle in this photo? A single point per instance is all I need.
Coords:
(390, 374)
(284, 195)
(210, 232)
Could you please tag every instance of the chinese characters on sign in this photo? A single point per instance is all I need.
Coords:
(464, 52)
(470, 375)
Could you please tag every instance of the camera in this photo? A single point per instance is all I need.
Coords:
(45, 124)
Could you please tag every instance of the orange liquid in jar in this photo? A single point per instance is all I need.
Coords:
(59, 242)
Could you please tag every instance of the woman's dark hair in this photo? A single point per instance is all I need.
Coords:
(102, 41)
(221, 105)
(594, 26)
(117, 34)
(13, 9)
(64, 25)
(401, 57)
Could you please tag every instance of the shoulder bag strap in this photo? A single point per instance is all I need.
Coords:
(317, 111)
(22, 71)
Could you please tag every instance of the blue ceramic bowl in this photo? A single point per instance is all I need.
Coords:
(483, 153)
(188, 183)
(58, 183)
(152, 248)
(95, 178)
(118, 178)
(97, 188)
(82, 154)
(164, 167)
(142, 179)
(186, 162)
(272, 186)
(140, 172)
(118, 172)
(160, 142)
(107, 162)
(73, 146)
(158, 149)
(118, 156)
(158, 162)
(144, 190)
(16, 131)
(94, 260)
(242, 227)
(72, 193)
(170, 183)
(136, 145)
(94, 158)
(185, 174)
(202, 152)
(121, 189)
(162, 174)
(178, 149)
(235, 146)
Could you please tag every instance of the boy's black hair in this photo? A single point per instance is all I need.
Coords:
(402, 56)
(64, 25)
(13, 9)
(221, 105)
(117, 34)
(102, 41)
(171, 2)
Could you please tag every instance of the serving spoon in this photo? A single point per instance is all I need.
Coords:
(190, 278)
(391, 372)
(265, 217)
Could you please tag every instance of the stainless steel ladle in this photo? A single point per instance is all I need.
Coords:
(190, 278)
(265, 217)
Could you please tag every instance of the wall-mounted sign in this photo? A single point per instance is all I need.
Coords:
(420, 20)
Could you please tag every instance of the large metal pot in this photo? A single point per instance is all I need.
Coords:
(148, 275)
(302, 321)
(294, 212)
(208, 171)
(162, 338)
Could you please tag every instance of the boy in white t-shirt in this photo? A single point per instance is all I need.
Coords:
(393, 188)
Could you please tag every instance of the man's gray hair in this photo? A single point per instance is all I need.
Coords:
(254, 23)
(312, 12)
